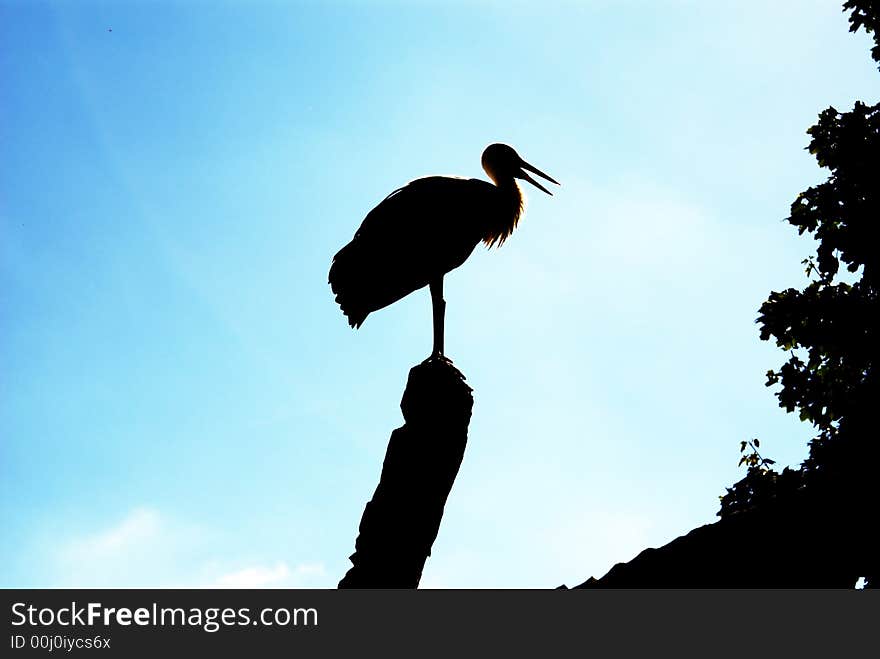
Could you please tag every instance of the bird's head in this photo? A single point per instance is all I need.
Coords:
(502, 163)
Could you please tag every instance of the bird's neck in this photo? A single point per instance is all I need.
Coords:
(501, 223)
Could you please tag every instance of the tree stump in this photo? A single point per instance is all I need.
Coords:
(401, 521)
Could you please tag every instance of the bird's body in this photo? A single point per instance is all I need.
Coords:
(400, 248)
(423, 230)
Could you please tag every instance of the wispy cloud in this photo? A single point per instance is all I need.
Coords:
(147, 548)
(134, 551)
(279, 575)
(140, 527)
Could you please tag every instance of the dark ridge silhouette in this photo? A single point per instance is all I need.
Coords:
(780, 547)
(424, 230)
(402, 519)
(816, 530)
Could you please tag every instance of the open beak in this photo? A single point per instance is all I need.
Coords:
(523, 175)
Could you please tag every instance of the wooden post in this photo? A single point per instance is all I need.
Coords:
(401, 521)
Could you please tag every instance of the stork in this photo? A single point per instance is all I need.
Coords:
(425, 229)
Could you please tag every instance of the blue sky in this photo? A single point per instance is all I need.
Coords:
(182, 403)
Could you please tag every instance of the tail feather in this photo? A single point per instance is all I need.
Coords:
(365, 278)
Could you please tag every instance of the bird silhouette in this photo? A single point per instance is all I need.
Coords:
(425, 229)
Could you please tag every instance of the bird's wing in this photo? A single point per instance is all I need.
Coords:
(417, 233)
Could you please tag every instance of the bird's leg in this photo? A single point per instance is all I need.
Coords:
(439, 305)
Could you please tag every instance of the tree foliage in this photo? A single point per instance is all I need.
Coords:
(830, 327)
(865, 14)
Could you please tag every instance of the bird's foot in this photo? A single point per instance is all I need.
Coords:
(438, 357)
